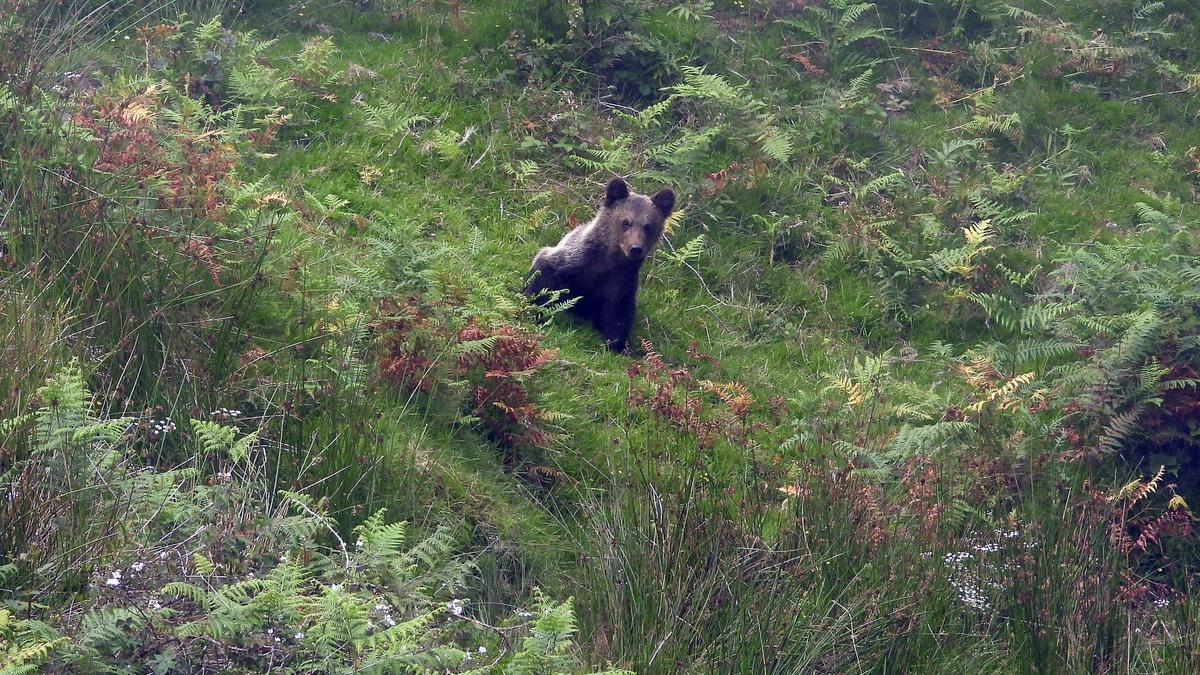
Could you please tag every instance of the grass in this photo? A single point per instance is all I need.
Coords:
(830, 456)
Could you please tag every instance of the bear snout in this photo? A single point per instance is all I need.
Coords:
(636, 252)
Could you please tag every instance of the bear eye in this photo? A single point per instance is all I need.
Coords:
(625, 223)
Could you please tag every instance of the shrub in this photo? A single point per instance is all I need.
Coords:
(491, 366)
(202, 565)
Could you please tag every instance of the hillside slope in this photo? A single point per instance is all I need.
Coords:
(912, 387)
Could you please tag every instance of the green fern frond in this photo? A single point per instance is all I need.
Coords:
(190, 592)
(686, 254)
(478, 347)
(698, 83)
(880, 184)
(927, 438)
(431, 552)
(379, 543)
(997, 212)
(775, 143)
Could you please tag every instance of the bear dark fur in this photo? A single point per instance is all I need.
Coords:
(599, 262)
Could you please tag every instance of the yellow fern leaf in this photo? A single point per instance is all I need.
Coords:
(672, 220)
(136, 113)
(277, 198)
(978, 233)
(1136, 490)
(1004, 394)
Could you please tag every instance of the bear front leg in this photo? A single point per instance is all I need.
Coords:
(616, 320)
(541, 277)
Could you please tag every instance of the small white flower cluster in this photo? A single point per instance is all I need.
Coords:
(115, 577)
(160, 428)
(457, 606)
(384, 611)
(1161, 603)
(481, 650)
(971, 594)
(972, 571)
(226, 414)
(957, 558)
(154, 604)
(277, 638)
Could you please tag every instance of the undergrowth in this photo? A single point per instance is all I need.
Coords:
(916, 367)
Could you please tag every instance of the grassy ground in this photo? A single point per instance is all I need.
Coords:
(906, 367)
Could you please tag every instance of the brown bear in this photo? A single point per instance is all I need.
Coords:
(598, 263)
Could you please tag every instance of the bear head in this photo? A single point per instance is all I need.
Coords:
(633, 221)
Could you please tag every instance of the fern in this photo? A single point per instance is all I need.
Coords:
(109, 627)
(698, 83)
(1008, 126)
(613, 156)
(426, 561)
(998, 213)
(685, 150)
(546, 648)
(1140, 339)
(926, 439)
(25, 644)
(217, 440)
(192, 593)
(390, 122)
(686, 254)
(66, 409)
(1042, 351)
(774, 143)
(840, 28)
(379, 543)
(479, 347)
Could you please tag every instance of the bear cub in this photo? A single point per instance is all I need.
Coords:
(599, 262)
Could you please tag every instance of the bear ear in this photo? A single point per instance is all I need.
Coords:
(664, 200)
(616, 190)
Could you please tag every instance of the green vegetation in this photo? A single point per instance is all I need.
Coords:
(914, 385)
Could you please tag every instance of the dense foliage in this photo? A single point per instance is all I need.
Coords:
(915, 383)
